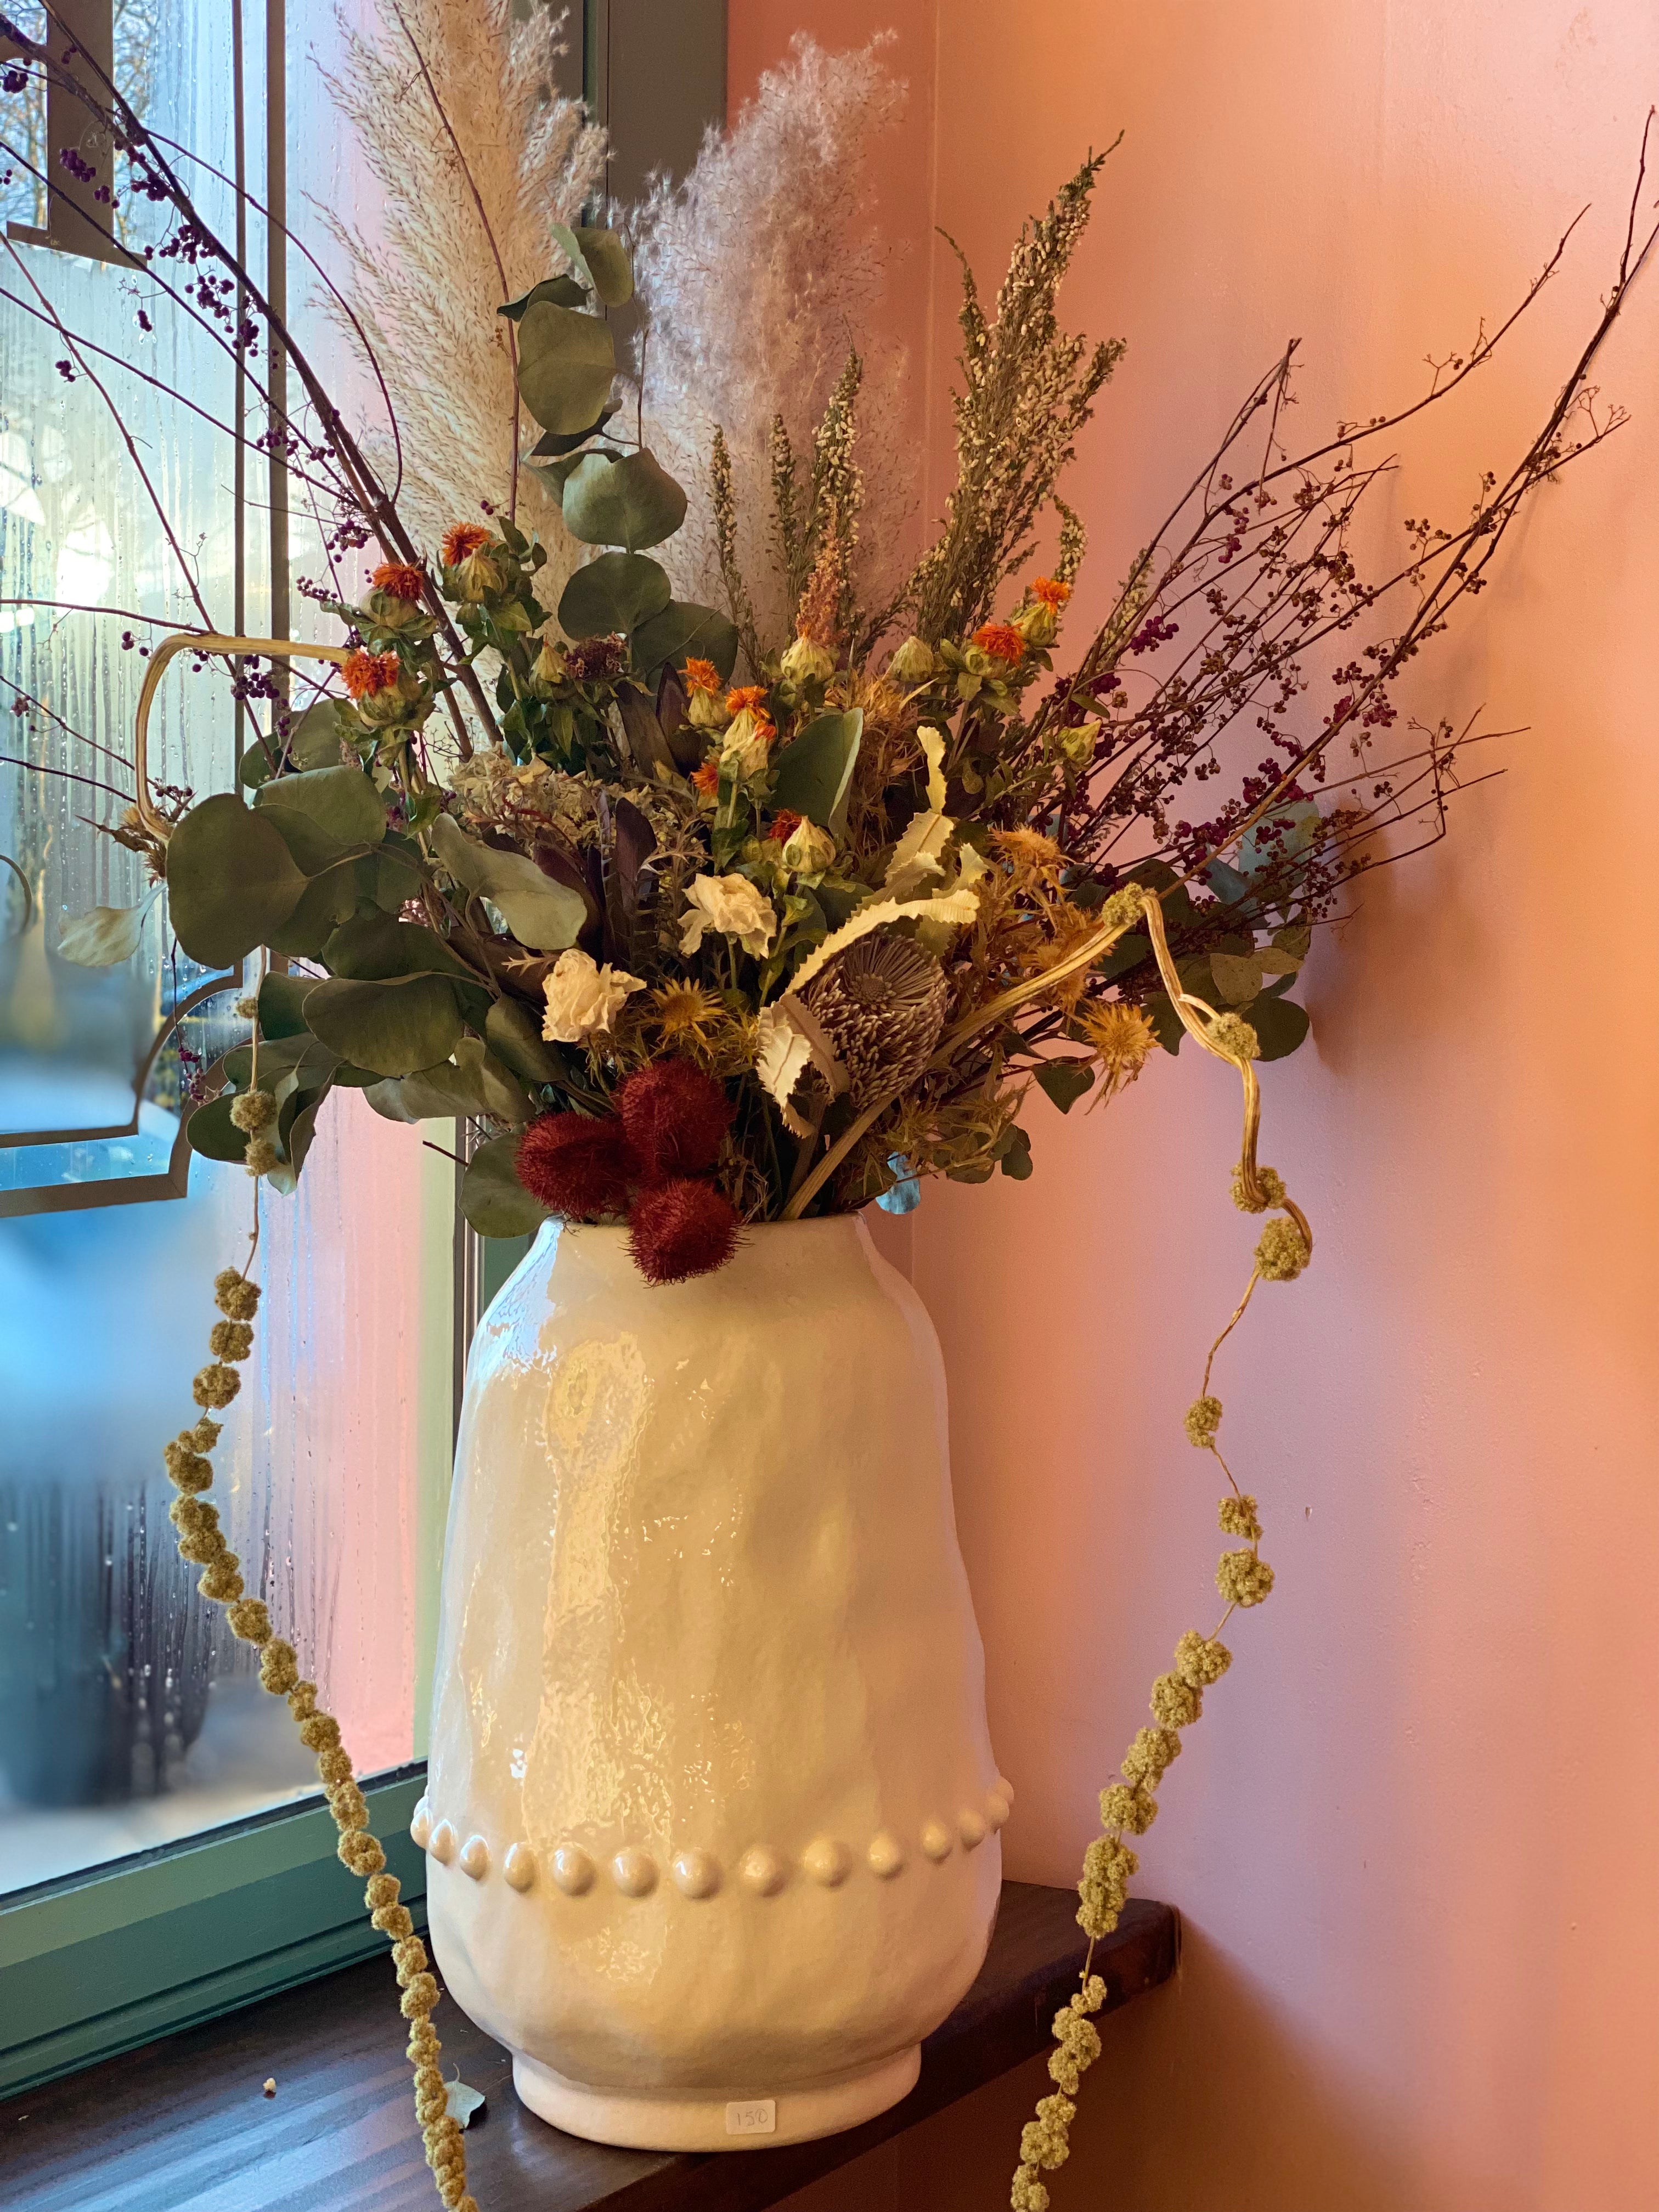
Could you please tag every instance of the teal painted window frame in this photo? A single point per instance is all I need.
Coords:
(102, 1961)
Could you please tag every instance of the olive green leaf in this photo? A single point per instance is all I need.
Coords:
(562, 291)
(514, 1035)
(493, 1199)
(627, 500)
(554, 444)
(106, 935)
(681, 629)
(815, 773)
(474, 1082)
(1281, 1025)
(390, 876)
(372, 948)
(232, 882)
(324, 814)
(1237, 976)
(566, 363)
(617, 592)
(282, 1002)
(545, 915)
(326, 902)
(600, 258)
(392, 1027)
(296, 1129)
(1014, 1158)
(212, 1134)
(1065, 1081)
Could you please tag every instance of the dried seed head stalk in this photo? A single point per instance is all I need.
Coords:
(201, 1542)
(1028, 388)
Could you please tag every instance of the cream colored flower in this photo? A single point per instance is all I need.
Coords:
(582, 996)
(806, 661)
(733, 906)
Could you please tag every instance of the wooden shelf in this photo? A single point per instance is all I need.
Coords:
(170, 2127)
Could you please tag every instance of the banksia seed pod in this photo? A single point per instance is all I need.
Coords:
(681, 1229)
(675, 1117)
(882, 1004)
(580, 1167)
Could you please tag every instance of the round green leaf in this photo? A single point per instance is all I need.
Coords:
(617, 592)
(1281, 1025)
(684, 628)
(232, 882)
(493, 1199)
(324, 814)
(600, 258)
(212, 1133)
(563, 291)
(326, 901)
(392, 1027)
(282, 1005)
(566, 363)
(631, 501)
(372, 948)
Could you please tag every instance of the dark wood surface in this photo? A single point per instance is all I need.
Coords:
(182, 2125)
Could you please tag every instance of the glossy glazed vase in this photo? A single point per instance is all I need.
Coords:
(711, 1819)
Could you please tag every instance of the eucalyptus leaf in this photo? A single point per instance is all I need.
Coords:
(601, 257)
(1065, 1081)
(106, 935)
(392, 1027)
(629, 501)
(232, 882)
(684, 628)
(514, 1035)
(567, 361)
(562, 291)
(326, 901)
(1281, 1025)
(554, 445)
(1237, 976)
(815, 773)
(372, 948)
(297, 1134)
(616, 593)
(213, 1134)
(545, 915)
(493, 1199)
(1016, 1157)
(282, 1002)
(474, 1082)
(324, 814)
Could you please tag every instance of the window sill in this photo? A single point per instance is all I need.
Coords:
(168, 2129)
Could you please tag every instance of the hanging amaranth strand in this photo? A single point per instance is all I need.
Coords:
(201, 1542)
(1242, 1577)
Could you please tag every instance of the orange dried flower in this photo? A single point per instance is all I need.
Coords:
(708, 777)
(461, 539)
(749, 695)
(368, 673)
(1001, 640)
(701, 675)
(785, 823)
(399, 579)
(1051, 593)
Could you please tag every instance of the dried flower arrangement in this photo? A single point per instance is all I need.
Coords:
(743, 894)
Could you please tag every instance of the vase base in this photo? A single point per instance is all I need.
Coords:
(714, 2122)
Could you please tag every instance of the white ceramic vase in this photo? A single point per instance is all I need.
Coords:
(712, 1816)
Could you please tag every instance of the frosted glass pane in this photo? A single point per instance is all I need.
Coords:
(129, 1718)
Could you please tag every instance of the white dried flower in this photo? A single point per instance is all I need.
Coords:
(583, 998)
(732, 905)
(808, 662)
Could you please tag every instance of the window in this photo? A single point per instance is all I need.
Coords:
(159, 1858)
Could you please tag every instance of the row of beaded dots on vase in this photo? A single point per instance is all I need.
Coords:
(761, 1870)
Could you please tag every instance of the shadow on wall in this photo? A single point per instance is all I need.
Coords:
(1269, 2130)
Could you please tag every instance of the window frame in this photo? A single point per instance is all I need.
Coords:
(99, 1961)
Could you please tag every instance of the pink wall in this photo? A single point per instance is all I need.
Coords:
(1415, 1839)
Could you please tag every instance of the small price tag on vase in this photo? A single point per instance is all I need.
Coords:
(755, 2116)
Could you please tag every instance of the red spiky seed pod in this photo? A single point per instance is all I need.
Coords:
(674, 1116)
(580, 1167)
(680, 1228)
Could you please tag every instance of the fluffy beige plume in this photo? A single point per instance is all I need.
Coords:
(758, 275)
(426, 286)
